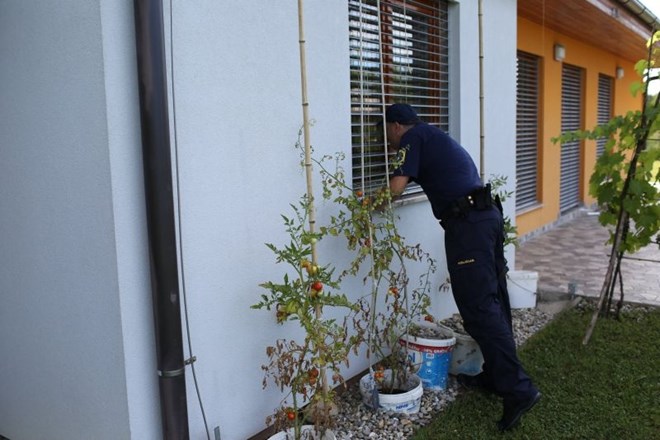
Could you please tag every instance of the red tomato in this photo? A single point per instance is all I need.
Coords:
(317, 285)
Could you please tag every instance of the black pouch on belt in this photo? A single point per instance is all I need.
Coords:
(481, 198)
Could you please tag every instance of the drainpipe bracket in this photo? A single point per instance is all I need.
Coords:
(178, 372)
(171, 373)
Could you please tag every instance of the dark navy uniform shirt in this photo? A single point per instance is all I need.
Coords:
(435, 161)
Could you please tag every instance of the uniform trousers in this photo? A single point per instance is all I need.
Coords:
(477, 269)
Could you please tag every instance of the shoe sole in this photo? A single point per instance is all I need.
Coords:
(521, 413)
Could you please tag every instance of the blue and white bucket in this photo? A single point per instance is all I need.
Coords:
(430, 359)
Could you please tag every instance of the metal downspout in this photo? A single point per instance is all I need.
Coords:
(160, 217)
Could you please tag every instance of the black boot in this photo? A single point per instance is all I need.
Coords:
(515, 409)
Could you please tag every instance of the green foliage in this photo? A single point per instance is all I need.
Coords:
(624, 177)
(294, 366)
(301, 369)
(608, 179)
(498, 185)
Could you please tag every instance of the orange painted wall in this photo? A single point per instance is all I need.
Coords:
(538, 40)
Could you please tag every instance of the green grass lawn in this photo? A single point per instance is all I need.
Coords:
(609, 389)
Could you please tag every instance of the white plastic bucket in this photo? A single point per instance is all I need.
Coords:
(466, 357)
(408, 402)
(521, 285)
(431, 359)
(307, 433)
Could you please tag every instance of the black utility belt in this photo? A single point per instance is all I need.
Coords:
(479, 199)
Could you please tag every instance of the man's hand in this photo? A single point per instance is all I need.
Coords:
(398, 185)
(385, 195)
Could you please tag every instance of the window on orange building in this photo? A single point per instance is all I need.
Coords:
(527, 130)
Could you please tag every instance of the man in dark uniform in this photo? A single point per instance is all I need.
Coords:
(474, 245)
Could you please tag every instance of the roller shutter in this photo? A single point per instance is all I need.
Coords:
(604, 107)
(527, 130)
(571, 119)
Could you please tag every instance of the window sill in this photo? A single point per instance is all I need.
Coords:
(530, 208)
(410, 199)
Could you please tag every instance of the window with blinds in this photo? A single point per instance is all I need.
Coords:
(604, 107)
(571, 120)
(527, 130)
(398, 53)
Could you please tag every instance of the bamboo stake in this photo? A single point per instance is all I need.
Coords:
(374, 278)
(306, 136)
(308, 160)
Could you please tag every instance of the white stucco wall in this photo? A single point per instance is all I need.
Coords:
(500, 43)
(74, 274)
(76, 322)
(239, 112)
(499, 89)
(67, 219)
(238, 116)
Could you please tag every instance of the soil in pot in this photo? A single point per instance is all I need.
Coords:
(386, 390)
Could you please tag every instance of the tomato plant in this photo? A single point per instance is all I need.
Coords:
(388, 308)
(369, 225)
(303, 369)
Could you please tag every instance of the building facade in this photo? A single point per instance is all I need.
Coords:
(575, 69)
(76, 324)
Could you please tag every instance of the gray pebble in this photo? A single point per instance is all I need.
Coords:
(355, 421)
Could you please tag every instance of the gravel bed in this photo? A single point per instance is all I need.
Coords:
(356, 421)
